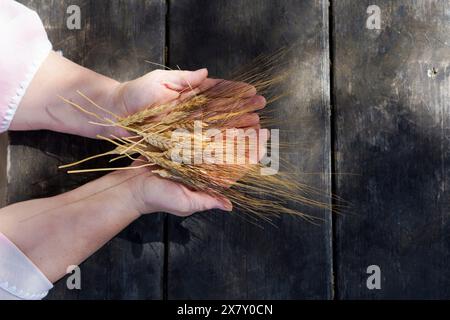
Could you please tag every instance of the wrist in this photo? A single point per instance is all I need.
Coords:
(114, 102)
(116, 99)
(141, 193)
(116, 190)
(134, 191)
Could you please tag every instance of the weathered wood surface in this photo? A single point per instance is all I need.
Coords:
(3, 168)
(115, 39)
(390, 126)
(217, 255)
(392, 95)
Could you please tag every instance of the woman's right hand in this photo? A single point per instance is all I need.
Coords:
(155, 194)
(152, 193)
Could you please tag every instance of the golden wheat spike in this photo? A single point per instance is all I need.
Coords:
(150, 139)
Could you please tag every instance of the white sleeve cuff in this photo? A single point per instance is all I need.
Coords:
(20, 278)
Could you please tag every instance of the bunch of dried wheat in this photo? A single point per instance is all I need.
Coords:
(151, 142)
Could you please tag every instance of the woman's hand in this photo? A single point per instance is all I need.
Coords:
(155, 194)
(42, 107)
(163, 87)
(154, 88)
(151, 192)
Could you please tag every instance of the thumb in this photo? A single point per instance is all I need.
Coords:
(202, 202)
(181, 80)
(223, 204)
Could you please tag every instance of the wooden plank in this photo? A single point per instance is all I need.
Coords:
(115, 38)
(392, 118)
(3, 167)
(215, 255)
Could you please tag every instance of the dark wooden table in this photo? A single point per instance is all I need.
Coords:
(368, 114)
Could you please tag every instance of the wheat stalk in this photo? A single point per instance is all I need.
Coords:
(152, 128)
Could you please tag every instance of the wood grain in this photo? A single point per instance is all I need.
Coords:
(215, 255)
(3, 168)
(391, 133)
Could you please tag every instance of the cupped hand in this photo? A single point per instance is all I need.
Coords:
(156, 194)
(162, 87)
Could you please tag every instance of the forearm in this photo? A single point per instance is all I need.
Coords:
(42, 108)
(64, 230)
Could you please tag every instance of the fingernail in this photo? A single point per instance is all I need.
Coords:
(225, 206)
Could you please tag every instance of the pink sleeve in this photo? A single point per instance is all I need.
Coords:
(23, 47)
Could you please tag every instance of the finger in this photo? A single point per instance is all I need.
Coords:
(237, 105)
(182, 80)
(225, 88)
(246, 120)
(174, 84)
(256, 149)
(263, 137)
(202, 201)
(204, 86)
(254, 103)
(220, 88)
(264, 134)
